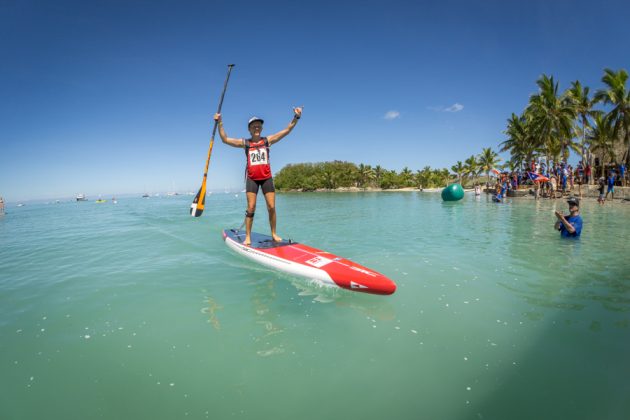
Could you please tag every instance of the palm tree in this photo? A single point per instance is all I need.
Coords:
(329, 179)
(458, 168)
(378, 174)
(552, 117)
(617, 96)
(583, 106)
(513, 164)
(520, 142)
(487, 160)
(365, 175)
(602, 138)
(388, 179)
(441, 177)
(406, 177)
(423, 177)
(471, 167)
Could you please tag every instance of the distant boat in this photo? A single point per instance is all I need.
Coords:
(81, 197)
(145, 195)
(20, 205)
(100, 201)
(114, 201)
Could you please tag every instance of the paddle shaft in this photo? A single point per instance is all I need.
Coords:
(216, 123)
(196, 209)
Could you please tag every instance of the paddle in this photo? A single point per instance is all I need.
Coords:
(197, 206)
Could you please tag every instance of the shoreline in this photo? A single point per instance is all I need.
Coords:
(369, 189)
(588, 192)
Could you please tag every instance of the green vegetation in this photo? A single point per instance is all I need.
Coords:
(554, 123)
(551, 125)
(337, 174)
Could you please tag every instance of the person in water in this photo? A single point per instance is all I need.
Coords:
(570, 226)
(258, 168)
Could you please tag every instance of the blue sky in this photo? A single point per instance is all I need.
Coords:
(112, 97)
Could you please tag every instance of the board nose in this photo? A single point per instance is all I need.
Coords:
(378, 286)
(385, 287)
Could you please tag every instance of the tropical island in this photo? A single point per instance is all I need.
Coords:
(554, 123)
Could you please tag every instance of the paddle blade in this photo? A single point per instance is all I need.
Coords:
(197, 206)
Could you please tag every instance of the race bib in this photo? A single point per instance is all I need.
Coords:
(258, 157)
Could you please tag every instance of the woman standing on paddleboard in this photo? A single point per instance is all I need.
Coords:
(258, 168)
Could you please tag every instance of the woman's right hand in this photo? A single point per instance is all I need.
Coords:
(217, 117)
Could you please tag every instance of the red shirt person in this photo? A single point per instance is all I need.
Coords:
(258, 168)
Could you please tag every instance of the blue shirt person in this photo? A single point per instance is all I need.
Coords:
(570, 226)
(611, 184)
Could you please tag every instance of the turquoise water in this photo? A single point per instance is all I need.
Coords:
(138, 311)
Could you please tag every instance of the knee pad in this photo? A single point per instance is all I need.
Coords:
(250, 215)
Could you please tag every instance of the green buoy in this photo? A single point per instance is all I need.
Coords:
(453, 192)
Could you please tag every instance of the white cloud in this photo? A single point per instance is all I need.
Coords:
(454, 108)
(392, 115)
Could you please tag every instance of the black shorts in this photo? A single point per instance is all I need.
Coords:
(266, 185)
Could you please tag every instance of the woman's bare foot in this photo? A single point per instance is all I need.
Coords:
(276, 238)
(247, 241)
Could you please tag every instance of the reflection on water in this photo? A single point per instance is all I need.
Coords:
(377, 307)
(266, 318)
(270, 337)
(211, 310)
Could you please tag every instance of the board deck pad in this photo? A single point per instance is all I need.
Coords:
(302, 260)
(259, 241)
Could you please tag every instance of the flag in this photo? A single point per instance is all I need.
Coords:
(537, 177)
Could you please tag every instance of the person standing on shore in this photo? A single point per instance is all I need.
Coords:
(622, 174)
(258, 168)
(570, 226)
(579, 177)
(563, 176)
(553, 182)
(601, 184)
(611, 185)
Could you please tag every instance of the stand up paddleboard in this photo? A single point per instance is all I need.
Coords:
(302, 260)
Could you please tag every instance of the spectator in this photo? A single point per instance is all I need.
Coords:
(601, 184)
(611, 185)
(570, 226)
